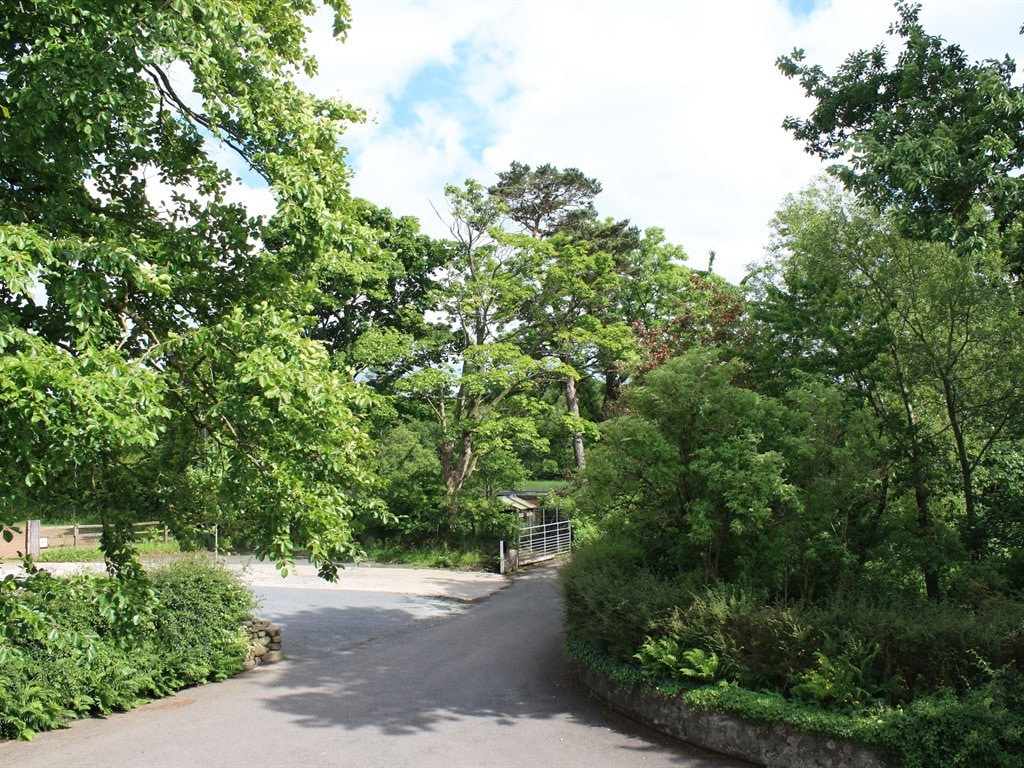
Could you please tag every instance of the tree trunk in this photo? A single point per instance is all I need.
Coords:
(971, 534)
(457, 462)
(924, 521)
(612, 388)
(573, 405)
(918, 473)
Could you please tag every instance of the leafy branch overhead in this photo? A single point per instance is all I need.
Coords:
(136, 297)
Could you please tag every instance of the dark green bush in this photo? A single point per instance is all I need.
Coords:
(922, 647)
(89, 644)
(929, 684)
(759, 646)
(611, 601)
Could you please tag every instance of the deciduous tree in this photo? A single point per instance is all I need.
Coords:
(929, 135)
(135, 299)
(929, 339)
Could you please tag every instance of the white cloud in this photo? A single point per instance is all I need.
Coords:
(676, 107)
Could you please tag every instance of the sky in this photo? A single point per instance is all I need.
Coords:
(675, 106)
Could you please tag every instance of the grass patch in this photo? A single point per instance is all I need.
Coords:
(542, 486)
(432, 557)
(94, 555)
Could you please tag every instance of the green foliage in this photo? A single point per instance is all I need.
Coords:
(153, 337)
(832, 683)
(926, 339)
(702, 469)
(827, 525)
(471, 376)
(611, 599)
(541, 486)
(627, 675)
(982, 727)
(664, 657)
(543, 201)
(204, 605)
(434, 557)
(926, 133)
(370, 310)
(758, 645)
(424, 512)
(83, 645)
(411, 483)
(908, 649)
(95, 554)
(285, 463)
(928, 684)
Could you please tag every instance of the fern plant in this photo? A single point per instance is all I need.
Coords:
(663, 658)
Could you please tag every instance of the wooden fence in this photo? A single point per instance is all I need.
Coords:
(35, 538)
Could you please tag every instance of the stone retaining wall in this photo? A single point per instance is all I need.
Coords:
(265, 647)
(777, 745)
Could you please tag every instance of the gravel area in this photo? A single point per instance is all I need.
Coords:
(423, 582)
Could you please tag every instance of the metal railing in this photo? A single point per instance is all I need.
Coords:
(544, 540)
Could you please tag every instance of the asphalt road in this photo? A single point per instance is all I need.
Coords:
(379, 678)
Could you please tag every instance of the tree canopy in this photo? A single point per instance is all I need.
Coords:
(930, 135)
(137, 304)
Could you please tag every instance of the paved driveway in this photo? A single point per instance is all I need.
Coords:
(383, 678)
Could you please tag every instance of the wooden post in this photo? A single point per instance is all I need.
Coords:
(165, 534)
(74, 535)
(32, 538)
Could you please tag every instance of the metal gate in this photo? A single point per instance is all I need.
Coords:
(543, 538)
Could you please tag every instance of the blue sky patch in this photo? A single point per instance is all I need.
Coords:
(445, 87)
(801, 9)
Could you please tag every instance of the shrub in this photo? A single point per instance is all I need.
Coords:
(201, 607)
(984, 727)
(69, 648)
(90, 644)
(612, 601)
(926, 683)
(759, 646)
(924, 647)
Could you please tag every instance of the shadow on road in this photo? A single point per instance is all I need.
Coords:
(499, 663)
(502, 661)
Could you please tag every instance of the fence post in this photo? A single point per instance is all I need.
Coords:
(32, 538)
(501, 557)
(74, 535)
(165, 534)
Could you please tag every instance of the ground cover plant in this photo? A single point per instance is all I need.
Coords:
(432, 557)
(92, 644)
(95, 554)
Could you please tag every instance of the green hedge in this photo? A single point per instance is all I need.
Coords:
(89, 644)
(926, 683)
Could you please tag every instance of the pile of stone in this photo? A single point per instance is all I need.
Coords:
(265, 647)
